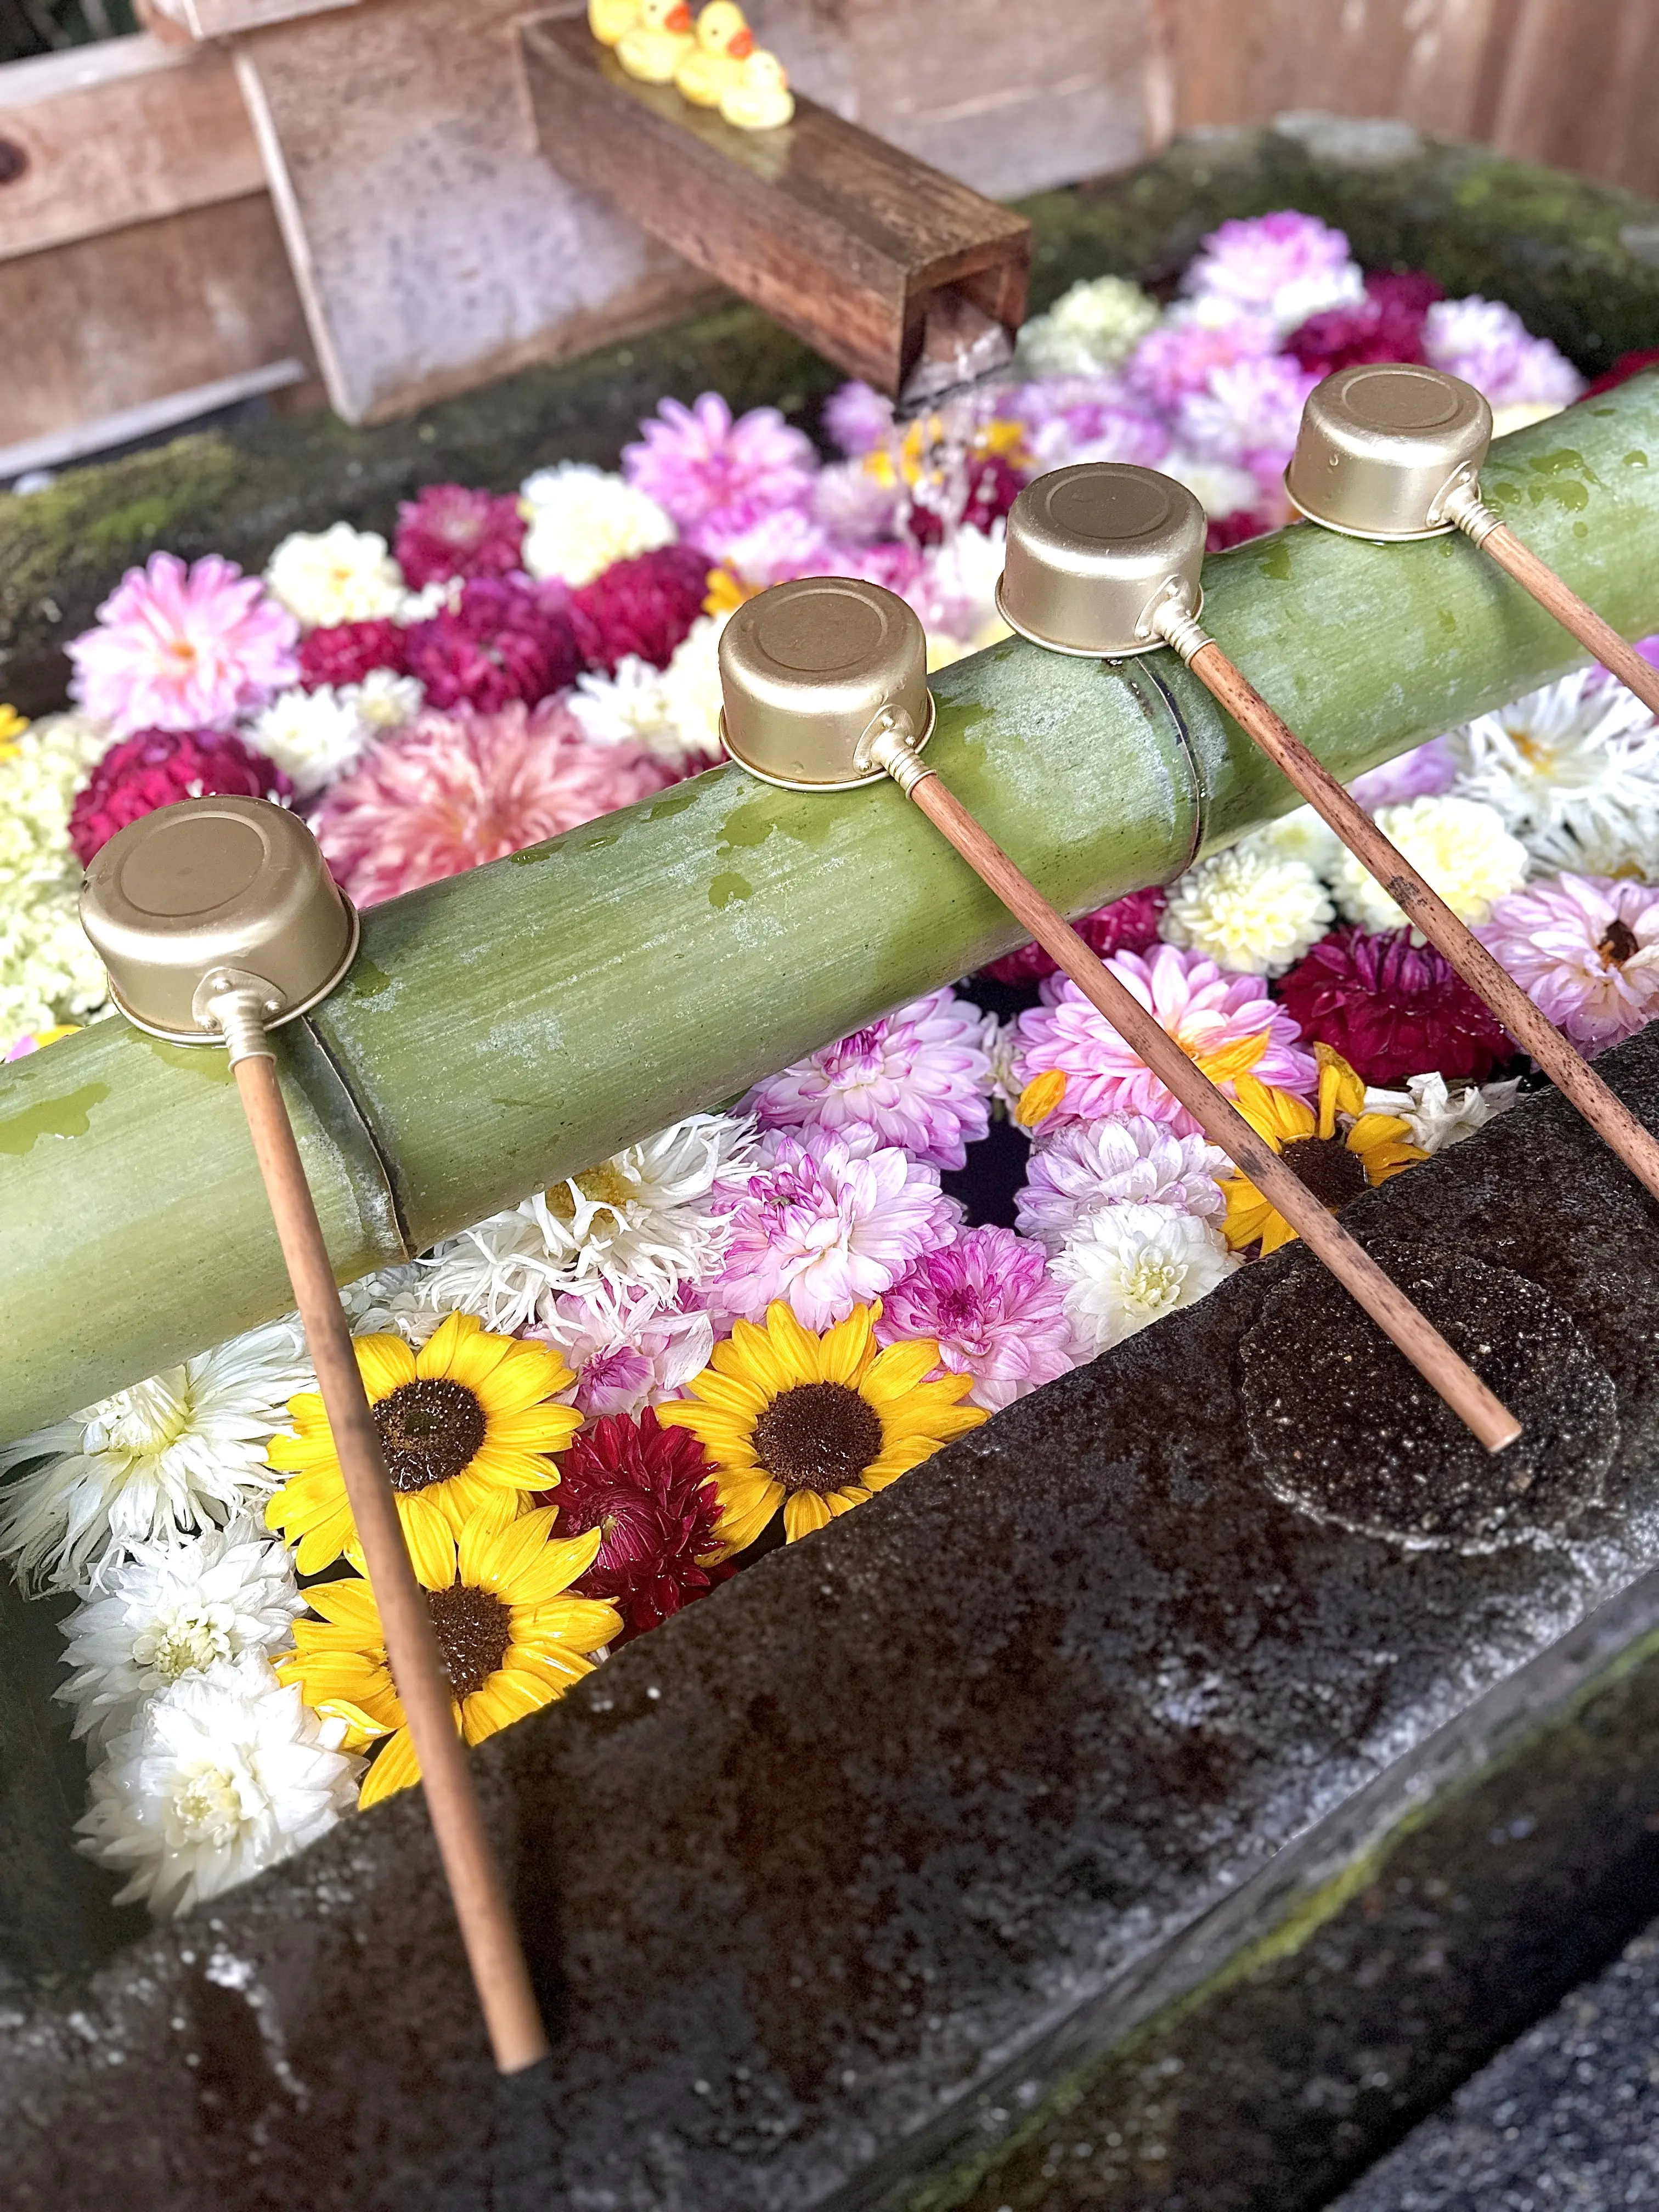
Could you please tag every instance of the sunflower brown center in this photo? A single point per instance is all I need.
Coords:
(1331, 1171)
(607, 1186)
(474, 1630)
(820, 1436)
(430, 1428)
(1617, 946)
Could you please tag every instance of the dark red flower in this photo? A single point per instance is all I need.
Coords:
(644, 606)
(348, 651)
(1392, 1009)
(451, 532)
(505, 641)
(1626, 366)
(157, 767)
(1233, 529)
(1386, 325)
(649, 1489)
(993, 487)
(1128, 925)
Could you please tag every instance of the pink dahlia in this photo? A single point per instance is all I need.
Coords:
(1181, 357)
(1586, 950)
(1204, 1009)
(716, 478)
(179, 649)
(645, 605)
(451, 532)
(1424, 773)
(348, 652)
(649, 1489)
(506, 640)
(1079, 1167)
(858, 418)
(452, 791)
(1393, 1009)
(158, 768)
(828, 1225)
(1128, 925)
(627, 1348)
(987, 1303)
(918, 1079)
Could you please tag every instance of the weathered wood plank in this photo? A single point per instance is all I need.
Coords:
(1580, 89)
(224, 18)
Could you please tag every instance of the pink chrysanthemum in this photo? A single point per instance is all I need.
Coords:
(1125, 1160)
(158, 768)
(645, 606)
(916, 1078)
(1486, 343)
(1248, 416)
(827, 1226)
(1128, 925)
(1087, 418)
(858, 419)
(1586, 950)
(348, 651)
(453, 791)
(988, 1304)
(179, 649)
(1393, 1009)
(505, 641)
(1181, 357)
(716, 478)
(1204, 1009)
(1286, 266)
(451, 532)
(1424, 773)
(649, 1490)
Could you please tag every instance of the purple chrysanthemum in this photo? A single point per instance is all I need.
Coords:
(1586, 950)
(988, 1304)
(451, 532)
(1128, 925)
(1249, 415)
(858, 418)
(1393, 1009)
(717, 478)
(1487, 344)
(1281, 267)
(917, 1078)
(1125, 1160)
(1424, 773)
(179, 649)
(158, 768)
(505, 641)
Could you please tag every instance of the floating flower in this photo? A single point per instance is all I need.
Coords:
(1127, 1266)
(628, 1349)
(1125, 1160)
(1300, 835)
(646, 607)
(1182, 355)
(167, 1610)
(1095, 324)
(501, 641)
(1392, 1008)
(652, 1218)
(465, 1425)
(1574, 766)
(717, 478)
(649, 1491)
(451, 532)
(1435, 1115)
(1386, 324)
(987, 1301)
(158, 768)
(226, 1774)
(781, 546)
(1488, 345)
(1087, 418)
(453, 791)
(181, 1453)
(956, 592)
(12, 726)
(1227, 495)
(1249, 911)
(1338, 1151)
(28, 1046)
(1460, 847)
(511, 1638)
(1278, 268)
(310, 737)
(816, 1424)
(179, 649)
(1585, 949)
(48, 970)
(580, 520)
(1247, 415)
(1226, 1024)
(851, 507)
(858, 418)
(336, 575)
(1128, 925)
(916, 1078)
(1422, 773)
(348, 652)
(826, 1224)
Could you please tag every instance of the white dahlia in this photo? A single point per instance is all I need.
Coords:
(1126, 1266)
(1435, 1115)
(1460, 846)
(581, 519)
(335, 575)
(1247, 910)
(1571, 768)
(312, 736)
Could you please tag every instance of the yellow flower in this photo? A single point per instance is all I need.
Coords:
(1040, 1098)
(465, 1424)
(727, 592)
(816, 1423)
(1338, 1152)
(511, 1639)
(12, 726)
(927, 447)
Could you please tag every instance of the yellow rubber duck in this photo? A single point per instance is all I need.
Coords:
(724, 42)
(658, 42)
(759, 99)
(610, 21)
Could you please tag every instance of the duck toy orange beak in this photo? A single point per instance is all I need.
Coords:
(742, 45)
(678, 19)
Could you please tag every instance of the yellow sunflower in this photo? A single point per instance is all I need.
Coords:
(1338, 1152)
(816, 1423)
(465, 1424)
(511, 1640)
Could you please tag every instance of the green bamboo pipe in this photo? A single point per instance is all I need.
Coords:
(515, 1025)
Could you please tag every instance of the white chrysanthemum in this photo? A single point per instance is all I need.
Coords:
(49, 972)
(312, 736)
(1572, 767)
(226, 1773)
(335, 575)
(645, 1218)
(691, 688)
(1300, 835)
(673, 712)
(1126, 1159)
(1436, 1116)
(1219, 488)
(169, 1610)
(184, 1451)
(1247, 911)
(442, 595)
(581, 519)
(384, 700)
(1095, 326)
(1459, 845)
(389, 1303)
(1126, 1266)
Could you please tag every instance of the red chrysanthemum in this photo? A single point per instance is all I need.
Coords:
(1128, 924)
(505, 641)
(348, 652)
(451, 532)
(993, 485)
(1392, 1009)
(644, 606)
(1386, 324)
(649, 1489)
(1233, 529)
(157, 767)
